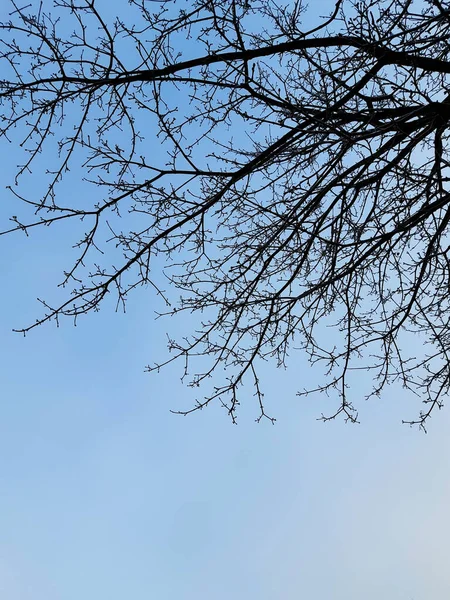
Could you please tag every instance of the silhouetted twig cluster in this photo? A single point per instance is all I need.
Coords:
(290, 179)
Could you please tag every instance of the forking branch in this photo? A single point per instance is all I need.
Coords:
(290, 178)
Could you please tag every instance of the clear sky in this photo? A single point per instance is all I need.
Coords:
(105, 494)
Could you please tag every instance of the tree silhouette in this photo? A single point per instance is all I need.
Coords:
(284, 180)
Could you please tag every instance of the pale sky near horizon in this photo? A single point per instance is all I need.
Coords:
(104, 494)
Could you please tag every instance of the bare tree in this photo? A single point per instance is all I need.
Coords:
(283, 179)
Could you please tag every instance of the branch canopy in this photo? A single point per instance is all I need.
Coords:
(284, 174)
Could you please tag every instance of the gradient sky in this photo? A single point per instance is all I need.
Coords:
(106, 494)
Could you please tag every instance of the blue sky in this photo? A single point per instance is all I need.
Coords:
(106, 494)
